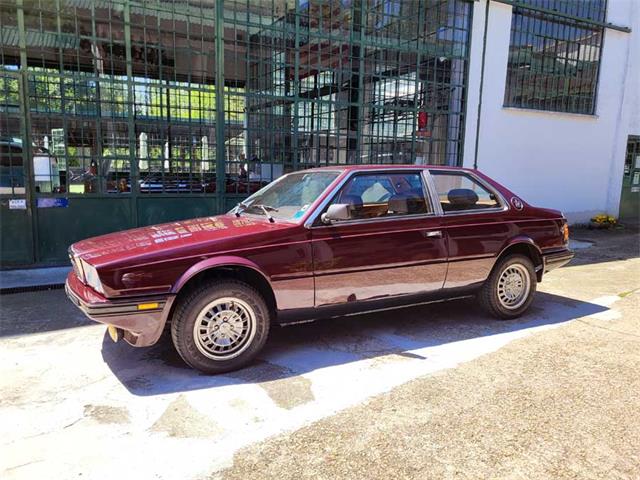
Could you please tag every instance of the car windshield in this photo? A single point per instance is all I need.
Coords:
(289, 197)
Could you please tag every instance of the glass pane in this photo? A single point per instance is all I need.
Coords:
(291, 196)
(305, 84)
(554, 61)
(458, 191)
(383, 195)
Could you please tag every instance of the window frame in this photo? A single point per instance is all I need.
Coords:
(314, 219)
(503, 204)
(559, 21)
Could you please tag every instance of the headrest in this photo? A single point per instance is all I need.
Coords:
(462, 197)
(399, 204)
(352, 200)
(407, 203)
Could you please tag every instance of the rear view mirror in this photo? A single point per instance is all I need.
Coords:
(336, 213)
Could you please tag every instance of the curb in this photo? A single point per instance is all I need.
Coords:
(31, 288)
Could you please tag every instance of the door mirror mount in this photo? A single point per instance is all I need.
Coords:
(336, 213)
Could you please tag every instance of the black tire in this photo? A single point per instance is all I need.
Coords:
(489, 295)
(190, 308)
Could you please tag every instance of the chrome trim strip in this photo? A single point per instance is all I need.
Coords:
(370, 310)
(114, 308)
(360, 221)
(503, 202)
(433, 194)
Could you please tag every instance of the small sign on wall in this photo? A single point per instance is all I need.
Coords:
(52, 202)
(17, 204)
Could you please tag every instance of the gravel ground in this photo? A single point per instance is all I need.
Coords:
(561, 403)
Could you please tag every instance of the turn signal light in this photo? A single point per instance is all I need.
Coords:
(565, 233)
(148, 306)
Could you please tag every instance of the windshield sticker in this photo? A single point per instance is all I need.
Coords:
(298, 214)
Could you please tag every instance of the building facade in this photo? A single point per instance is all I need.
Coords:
(560, 105)
(122, 113)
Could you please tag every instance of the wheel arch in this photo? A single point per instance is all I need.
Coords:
(524, 246)
(228, 267)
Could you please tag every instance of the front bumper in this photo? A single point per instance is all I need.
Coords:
(557, 259)
(141, 327)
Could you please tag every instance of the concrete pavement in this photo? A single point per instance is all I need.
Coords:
(75, 405)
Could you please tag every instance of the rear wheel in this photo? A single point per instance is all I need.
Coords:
(221, 326)
(509, 290)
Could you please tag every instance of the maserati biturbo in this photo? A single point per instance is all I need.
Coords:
(313, 244)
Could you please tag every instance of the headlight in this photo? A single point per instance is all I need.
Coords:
(91, 276)
(77, 267)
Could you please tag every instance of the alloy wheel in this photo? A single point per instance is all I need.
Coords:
(224, 328)
(514, 285)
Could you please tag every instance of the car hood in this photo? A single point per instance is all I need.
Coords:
(190, 237)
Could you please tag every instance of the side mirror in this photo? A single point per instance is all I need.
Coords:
(336, 213)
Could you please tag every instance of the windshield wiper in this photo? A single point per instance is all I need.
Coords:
(266, 209)
(240, 207)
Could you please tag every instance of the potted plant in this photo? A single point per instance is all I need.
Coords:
(603, 220)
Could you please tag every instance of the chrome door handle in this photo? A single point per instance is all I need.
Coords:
(433, 234)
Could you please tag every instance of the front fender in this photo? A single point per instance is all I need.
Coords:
(209, 263)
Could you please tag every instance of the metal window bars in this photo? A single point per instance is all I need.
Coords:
(554, 59)
(123, 96)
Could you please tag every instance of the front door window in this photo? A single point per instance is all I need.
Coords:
(381, 195)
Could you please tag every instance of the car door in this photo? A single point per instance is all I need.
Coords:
(476, 223)
(392, 245)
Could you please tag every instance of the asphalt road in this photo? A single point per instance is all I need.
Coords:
(438, 391)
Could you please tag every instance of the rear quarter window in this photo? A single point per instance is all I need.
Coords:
(458, 191)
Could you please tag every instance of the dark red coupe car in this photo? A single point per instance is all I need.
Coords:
(313, 244)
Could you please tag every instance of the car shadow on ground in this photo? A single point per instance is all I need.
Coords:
(37, 312)
(296, 350)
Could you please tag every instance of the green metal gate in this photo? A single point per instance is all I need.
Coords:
(120, 113)
(16, 209)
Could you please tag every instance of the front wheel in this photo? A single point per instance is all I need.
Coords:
(221, 326)
(509, 290)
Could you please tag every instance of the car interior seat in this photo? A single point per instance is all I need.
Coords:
(461, 199)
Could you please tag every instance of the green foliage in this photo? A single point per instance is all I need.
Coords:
(79, 93)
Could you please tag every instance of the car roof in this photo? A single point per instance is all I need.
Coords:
(357, 168)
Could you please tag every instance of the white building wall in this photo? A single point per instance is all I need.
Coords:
(570, 162)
